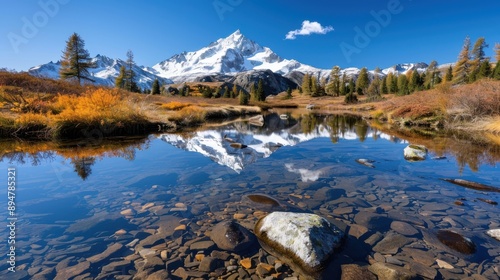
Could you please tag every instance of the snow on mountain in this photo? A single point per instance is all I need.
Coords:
(405, 67)
(233, 54)
(105, 73)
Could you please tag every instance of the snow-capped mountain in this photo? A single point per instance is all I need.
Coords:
(233, 54)
(218, 144)
(104, 74)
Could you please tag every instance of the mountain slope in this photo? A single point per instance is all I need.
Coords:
(233, 54)
(104, 74)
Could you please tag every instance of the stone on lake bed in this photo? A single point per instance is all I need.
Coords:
(231, 236)
(494, 233)
(305, 241)
(415, 152)
(120, 232)
(456, 242)
(128, 212)
(366, 162)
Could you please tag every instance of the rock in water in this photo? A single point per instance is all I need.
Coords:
(472, 185)
(415, 152)
(304, 241)
(494, 233)
(456, 242)
(231, 236)
(366, 162)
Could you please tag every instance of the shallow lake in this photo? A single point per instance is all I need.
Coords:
(89, 208)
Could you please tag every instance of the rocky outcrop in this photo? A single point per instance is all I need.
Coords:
(304, 241)
(415, 152)
(273, 83)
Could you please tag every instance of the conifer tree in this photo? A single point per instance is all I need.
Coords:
(260, 91)
(477, 58)
(226, 93)
(243, 98)
(374, 87)
(155, 89)
(306, 84)
(334, 86)
(449, 74)
(288, 93)
(343, 88)
(431, 74)
(403, 85)
(362, 82)
(394, 84)
(234, 91)
(484, 69)
(120, 80)
(352, 86)
(496, 71)
(414, 81)
(76, 61)
(462, 67)
(383, 88)
(129, 82)
(314, 86)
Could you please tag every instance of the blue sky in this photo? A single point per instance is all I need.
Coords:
(34, 32)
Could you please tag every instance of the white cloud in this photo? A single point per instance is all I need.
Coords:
(308, 28)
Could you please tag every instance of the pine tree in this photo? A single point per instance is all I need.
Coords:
(306, 84)
(477, 58)
(343, 88)
(130, 83)
(260, 91)
(352, 86)
(414, 83)
(243, 98)
(383, 88)
(120, 80)
(76, 61)
(334, 86)
(288, 93)
(431, 74)
(484, 69)
(362, 82)
(314, 86)
(155, 89)
(226, 93)
(496, 72)
(394, 84)
(462, 67)
(403, 85)
(374, 87)
(449, 74)
(234, 91)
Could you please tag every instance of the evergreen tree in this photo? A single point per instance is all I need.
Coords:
(394, 84)
(306, 84)
(362, 82)
(334, 86)
(343, 88)
(462, 67)
(352, 86)
(383, 88)
(477, 58)
(243, 98)
(374, 87)
(120, 80)
(76, 61)
(226, 93)
(234, 91)
(403, 85)
(484, 69)
(314, 86)
(252, 91)
(155, 89)
(496, 72)
(260, 91)
(414, 83)
(130, 83)
(288, 93)
(449, 74)
(431, 75)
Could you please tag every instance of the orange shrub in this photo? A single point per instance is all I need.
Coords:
(175, 105)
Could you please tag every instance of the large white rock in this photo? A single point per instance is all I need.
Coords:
(415, 152)
(494, 233)
(304, 241)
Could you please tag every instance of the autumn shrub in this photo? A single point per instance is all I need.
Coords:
(174, 105)
(189, 115)
(34, 84)
(32, 119)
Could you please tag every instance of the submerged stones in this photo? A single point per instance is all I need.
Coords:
(366, 162)
(262, 201)
(304, 241)
(415, 152)
(456, 242)
(231, 236)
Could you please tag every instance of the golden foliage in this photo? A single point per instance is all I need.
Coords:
(175, 105)
(189, 115)
(32, 119)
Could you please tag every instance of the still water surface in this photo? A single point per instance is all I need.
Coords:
(69, 199)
